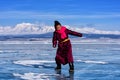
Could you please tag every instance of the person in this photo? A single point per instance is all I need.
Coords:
(64, 50)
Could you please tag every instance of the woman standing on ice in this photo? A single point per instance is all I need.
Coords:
(64, 51)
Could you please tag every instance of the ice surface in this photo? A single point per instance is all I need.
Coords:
(35, 61)
(73, 40)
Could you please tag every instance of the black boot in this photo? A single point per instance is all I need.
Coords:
(58, 66)
(71, 65)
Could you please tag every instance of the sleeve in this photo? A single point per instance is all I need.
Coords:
(54, 40)
(74, 33)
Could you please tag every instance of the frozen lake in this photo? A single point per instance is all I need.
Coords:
(35, 61)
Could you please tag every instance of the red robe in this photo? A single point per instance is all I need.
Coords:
(64, 51)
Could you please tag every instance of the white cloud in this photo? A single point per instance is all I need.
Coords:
(41, 15)
(29, 28)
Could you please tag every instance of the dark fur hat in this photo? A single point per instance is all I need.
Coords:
(56, 23)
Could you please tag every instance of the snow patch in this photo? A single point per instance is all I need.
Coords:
(96, 62)
(92, 62)
(38, 62)
(34, 76)
(32, 62)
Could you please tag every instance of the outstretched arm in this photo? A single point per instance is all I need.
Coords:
(74, 33)
(54, 40)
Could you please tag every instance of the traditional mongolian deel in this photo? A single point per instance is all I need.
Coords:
(64, 51)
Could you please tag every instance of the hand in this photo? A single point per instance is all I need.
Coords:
(54, 46)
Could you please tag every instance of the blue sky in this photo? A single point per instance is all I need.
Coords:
(101, 14)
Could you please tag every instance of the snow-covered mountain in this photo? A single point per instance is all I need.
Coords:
(29, 28)
(26, 28)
